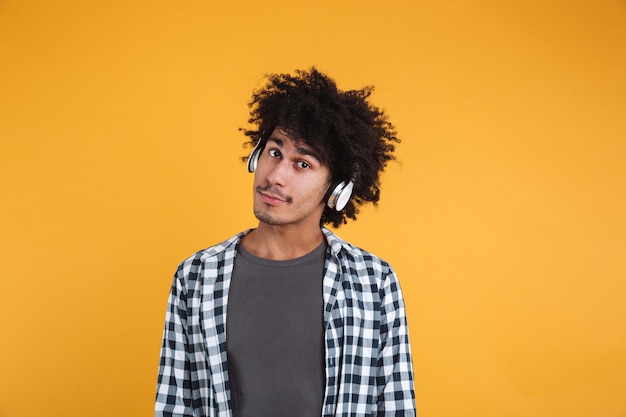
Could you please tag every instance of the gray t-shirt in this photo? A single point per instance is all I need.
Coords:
(275, 335)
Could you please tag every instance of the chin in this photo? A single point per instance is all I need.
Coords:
(269, 219)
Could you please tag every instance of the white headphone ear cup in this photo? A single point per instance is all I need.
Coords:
(253, 159)
(344, 196)
(340, 195)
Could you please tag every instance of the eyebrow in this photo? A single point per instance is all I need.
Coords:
(299, 149)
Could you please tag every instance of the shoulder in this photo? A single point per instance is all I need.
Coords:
(358, 261)
(220, 252)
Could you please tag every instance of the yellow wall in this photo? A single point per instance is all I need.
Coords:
(506, 220)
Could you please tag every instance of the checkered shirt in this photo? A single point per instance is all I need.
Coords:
(368, 357)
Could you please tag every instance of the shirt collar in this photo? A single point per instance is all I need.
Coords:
(334, 242)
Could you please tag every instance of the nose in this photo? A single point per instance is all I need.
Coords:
(278, 173)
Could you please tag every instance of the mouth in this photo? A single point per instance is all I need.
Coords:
(273, 198)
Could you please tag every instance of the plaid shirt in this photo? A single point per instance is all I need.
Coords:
(368, 357)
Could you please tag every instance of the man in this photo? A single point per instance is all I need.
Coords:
(288, 320)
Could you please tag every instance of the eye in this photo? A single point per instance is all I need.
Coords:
(273, 153)
(303, 165)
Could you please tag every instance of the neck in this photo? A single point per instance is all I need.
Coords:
(280, 242)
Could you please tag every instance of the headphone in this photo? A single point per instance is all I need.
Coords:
(338, 193)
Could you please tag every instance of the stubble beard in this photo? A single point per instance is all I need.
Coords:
(269, 219)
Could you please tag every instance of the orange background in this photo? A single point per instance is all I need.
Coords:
(505, 219)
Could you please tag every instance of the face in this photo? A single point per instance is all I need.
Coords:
(290, 183)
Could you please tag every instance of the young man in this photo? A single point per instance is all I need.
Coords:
(288, 320)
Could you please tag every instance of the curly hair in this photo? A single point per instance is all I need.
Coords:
(353, 137)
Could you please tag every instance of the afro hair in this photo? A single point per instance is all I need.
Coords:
(353, 137)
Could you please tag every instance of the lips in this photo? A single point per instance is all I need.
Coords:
(272, 199)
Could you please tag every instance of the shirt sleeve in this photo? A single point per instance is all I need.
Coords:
(396, 395)
(173, 395)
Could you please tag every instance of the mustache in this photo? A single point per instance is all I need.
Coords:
(272, 190)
